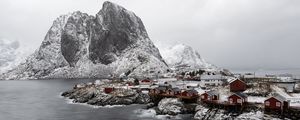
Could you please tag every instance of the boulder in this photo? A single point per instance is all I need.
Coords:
(171, 106)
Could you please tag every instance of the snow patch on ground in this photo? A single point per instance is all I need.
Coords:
(258, 115)
(294, 99)
(151, 114)
(255, 99)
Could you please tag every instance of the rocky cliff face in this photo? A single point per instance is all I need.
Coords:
(79, 45)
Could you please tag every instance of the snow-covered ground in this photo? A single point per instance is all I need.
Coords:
(258, 115)
(255, 99)
(146, 114)
(294, 99)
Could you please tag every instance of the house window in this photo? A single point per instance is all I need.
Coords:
(267, 103)
(239, 100)
(202, 96)
(278, 104)
(230, 100)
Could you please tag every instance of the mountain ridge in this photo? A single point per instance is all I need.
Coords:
(113, 41)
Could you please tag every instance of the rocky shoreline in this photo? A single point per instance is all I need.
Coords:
(93, 94)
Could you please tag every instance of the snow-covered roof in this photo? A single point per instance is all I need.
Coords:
(192, 84)
(212, 92)
(278, 97)
(209, 77)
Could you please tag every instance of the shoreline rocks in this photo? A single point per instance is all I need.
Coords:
(94, 95)
(170, 106)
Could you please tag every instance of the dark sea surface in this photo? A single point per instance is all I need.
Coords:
(41, 100)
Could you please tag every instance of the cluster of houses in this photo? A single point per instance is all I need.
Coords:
(166, 90)
(238, 98)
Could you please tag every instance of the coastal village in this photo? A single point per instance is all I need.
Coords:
(274, 95)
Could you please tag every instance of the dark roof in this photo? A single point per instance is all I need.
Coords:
(278, 97)
(161, 88)
(212, 92)
(176, 89)
(192, 91)
(240, 94)
(164, 85)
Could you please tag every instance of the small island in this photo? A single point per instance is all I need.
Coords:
(104, 92)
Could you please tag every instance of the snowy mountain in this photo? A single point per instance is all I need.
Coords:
(10, 54)
(80, 45)
(183, 57)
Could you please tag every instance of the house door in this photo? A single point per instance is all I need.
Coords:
(285, 105)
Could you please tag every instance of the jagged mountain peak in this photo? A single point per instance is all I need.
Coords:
(107, 5)
(80, 45)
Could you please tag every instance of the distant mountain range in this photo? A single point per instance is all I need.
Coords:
(184, 58)
(114, 41)
(11, 54)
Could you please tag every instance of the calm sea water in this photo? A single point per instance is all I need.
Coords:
(40, 100)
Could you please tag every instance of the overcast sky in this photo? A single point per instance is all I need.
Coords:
(228, 33)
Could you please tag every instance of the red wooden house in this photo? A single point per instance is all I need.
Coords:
(108, 90)
(146, 82)
(188, 94)
(276, 102)
(158, 90)
(172, 91)
(210, 95)
(237, 86)
(238, 98)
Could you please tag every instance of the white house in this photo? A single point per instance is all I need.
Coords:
(214, 80)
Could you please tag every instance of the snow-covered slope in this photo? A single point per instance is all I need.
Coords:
(79, 45)
(11, 54)
(184, 57)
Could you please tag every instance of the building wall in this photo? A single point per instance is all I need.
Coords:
(237, 85)
(211, 82)
(204, 96)
(272, 103)
(234, 99)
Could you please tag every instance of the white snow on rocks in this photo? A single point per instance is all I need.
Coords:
(146, 114)
(171, 106)
(182, 54)
(11, 54)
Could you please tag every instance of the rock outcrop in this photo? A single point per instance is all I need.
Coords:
(93, 94)
(80, 45)
(170, 106)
